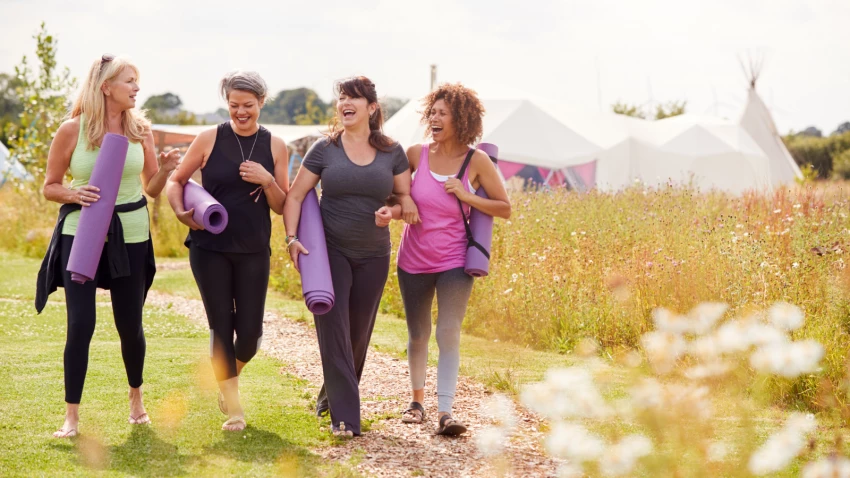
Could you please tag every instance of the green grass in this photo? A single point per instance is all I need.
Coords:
(185, 437)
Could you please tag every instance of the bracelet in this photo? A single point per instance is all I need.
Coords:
(269, 184)
(290, 240)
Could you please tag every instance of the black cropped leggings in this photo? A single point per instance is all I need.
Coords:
(233, 287)
(128, 298)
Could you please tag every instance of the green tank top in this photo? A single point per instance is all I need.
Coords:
(135, 223)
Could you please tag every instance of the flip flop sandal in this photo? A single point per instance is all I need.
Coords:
(65, 433)
(450, 427)
(140, 420)
(234, 421)
(341, 432)
(410, 415)
(222, 405)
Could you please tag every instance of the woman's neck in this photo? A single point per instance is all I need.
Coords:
(358, 133)
(246, 130)
(114, 119)
(450, 148)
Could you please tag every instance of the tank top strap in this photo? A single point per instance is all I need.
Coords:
(81, 135)
(423, 157)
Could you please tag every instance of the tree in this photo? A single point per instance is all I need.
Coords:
(298, 106)
(812, 131)
(44, 104)
(673, 108)
(391, 106)
(842, 128)
(166, 103)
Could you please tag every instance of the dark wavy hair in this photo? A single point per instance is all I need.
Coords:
(467, 111)
(361, 87)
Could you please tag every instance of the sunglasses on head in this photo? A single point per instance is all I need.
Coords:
(106, 59)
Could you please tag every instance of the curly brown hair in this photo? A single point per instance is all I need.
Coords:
(467, 111)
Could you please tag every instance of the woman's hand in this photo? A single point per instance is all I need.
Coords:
(296, 248)
(255, 173)
(383, 217)
(169, 161)
(187, 218)
(454, 186)
(409, 211)
(86, 195)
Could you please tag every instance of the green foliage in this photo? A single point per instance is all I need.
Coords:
(841, 165)
(10, 105)
(810, 174)
(44, 98)
(298, 106)
(821, 153)
(166, 109)
(626, 109)
(672, 108)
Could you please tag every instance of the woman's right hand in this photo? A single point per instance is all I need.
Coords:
(294, 249)
(86, 195)
(186, 217)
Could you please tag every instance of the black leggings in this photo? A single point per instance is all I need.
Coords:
(345, 331)
(233, 286)
(128, 298)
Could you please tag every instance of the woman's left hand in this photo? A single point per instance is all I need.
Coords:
(454, 186)
(169, 161)
(255, 173)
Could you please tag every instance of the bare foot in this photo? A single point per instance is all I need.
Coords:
(235, 423)
(138, 416)
(69, 428)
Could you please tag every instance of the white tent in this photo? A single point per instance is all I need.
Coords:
(10, 168)
(524, 133)
(757, 121)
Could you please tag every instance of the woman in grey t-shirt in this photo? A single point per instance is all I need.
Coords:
(359, 169)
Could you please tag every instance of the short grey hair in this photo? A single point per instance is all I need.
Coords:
(249, 81)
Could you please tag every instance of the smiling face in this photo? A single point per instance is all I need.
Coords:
(244, 109)
(121, 91)
(353, 111)
(441, 121)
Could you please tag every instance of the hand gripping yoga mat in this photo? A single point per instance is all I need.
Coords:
(94, 220)
(481, 225)
(208, 212)
(316, 283)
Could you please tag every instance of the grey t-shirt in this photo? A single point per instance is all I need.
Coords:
(351, 194)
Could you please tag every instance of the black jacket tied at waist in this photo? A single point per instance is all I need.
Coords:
(50, 275)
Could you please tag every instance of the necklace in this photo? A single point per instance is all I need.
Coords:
(242, 153)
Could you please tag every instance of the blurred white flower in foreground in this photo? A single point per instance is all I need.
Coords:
(490, 441)
(788, 359)
(566, 392)
(621, 458)
(663, 349)
(785, 316)
(500, 409)
(661, 398)
(783, 446)
(573, 442)
(699, 320)
(831, 467)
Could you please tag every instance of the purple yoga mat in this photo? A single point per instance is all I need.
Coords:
(208, 212)
(316, 283)
(95, 219)
(477, 264)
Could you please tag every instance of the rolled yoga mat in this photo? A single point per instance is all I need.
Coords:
(477, 264)
(95, 219)
(316, 283)
(208, 212)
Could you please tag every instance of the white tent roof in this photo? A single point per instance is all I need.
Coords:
(167, 134)
(757, 121)
(524, 133)
(10, 168)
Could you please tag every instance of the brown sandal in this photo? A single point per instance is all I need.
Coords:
(450, 427)
(414, 414)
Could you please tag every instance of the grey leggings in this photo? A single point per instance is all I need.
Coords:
(453, 288)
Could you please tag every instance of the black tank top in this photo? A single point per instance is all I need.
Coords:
(248, 223)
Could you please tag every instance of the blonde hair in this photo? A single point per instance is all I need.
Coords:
(91, 102)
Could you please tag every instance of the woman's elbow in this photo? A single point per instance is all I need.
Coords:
(505, 212)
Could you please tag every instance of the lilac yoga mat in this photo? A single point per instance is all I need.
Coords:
(208, 212)
(477, 264)
(95, 219)
(316, 283)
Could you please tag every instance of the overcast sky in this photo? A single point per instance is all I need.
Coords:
(572, 55)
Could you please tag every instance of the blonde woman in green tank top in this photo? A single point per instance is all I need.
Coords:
(106, 104)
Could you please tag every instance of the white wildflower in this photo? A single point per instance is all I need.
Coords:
(663, 349)
(570, 470)
(514, 277)
(788, 359)
(621, 458)
(573, 442)
(670, 398)
(490, 441)
(668, 321)
(705, 347)
(705, 315)
(507, 291)
(500, 409)
(830, 467)
(566, 392)
(717, 451)
(708, 370)
(795, 265)
(785, 316)
(783, 446)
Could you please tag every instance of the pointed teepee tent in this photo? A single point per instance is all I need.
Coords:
(758, 122)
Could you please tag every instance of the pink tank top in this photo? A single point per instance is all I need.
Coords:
(438, 242)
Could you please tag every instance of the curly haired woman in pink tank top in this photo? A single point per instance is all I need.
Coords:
(432, 252)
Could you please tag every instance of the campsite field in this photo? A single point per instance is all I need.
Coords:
(568, 266)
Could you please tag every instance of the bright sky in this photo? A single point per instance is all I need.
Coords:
(575, 55)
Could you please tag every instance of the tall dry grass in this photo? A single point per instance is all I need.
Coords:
(569, 265)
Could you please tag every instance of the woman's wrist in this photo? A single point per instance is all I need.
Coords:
(269, 184)
(290, 240)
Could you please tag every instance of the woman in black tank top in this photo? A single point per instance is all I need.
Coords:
(245, 168)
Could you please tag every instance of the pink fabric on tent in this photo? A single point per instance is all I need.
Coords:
(587, 172)
(508, 168)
